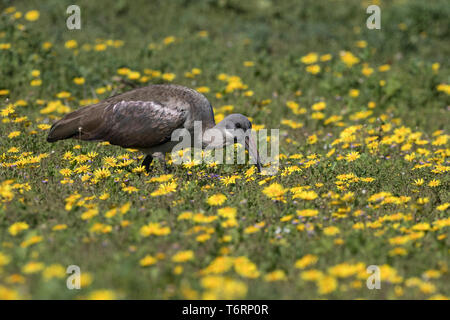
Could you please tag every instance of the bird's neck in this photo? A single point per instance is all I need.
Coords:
(214, 137)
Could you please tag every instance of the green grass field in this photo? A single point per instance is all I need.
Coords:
(364, 152)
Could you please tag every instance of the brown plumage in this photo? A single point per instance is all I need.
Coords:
(142, 118)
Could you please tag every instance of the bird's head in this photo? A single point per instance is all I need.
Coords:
(237, 128)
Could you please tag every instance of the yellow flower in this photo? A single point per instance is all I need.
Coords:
(389, 274)
(384, 68)
(47, 45)
(165, 188)
(244, 267)
(133, 75)
(434, 183)
(311, 275)
(203, 237)
(432, 274)
(331, 231)
(104, 196)
(44, 126)
(100, 47)
(130, 189)
(63, 95)
(309, 58)
(123, 71)
(308, 212)
(9, 10)
(275, 191)
(32, 15)
(361, 44)
(168, 76)
(398, 251)
(36, 82)
(305, 195)
(367, 71)
(440, 140)
(319, 106)
(423, 200)
(348, 58)
(216, 199)
(4, 259)
(100, 228)
(30, 241)
(35, 73)
(227, 212)
(327, 284)
(438, 297)
(305, 261)
(313, 69)
(17, 227)
(203, 89)
(427, 287)
(218, 265)
(32, 267)
(101, 173)
(312, 139)
(345, 270)
(59, 227)
(352, 156)
(111, 213)
(54, 271)
(13, 134)
(219, 287)
(353, 93)
(5, 46)
(435, 66)
(154, 229)
(71, 44)
(148, 260)
(89, 214)
(424, 226)
(276, 275)
(66, 172)
(169, 40)
(317, 116)
(251, 229)
(8, 294)
(196, 71)
(326, 57)
(183, 256)
(102, 295)
(78, 80)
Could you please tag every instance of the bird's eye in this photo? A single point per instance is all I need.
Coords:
(238, 125)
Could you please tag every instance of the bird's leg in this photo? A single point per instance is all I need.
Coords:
(147, 162)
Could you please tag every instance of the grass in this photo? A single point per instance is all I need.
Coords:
(308, 232)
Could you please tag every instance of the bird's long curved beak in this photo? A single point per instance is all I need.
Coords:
(250, 145)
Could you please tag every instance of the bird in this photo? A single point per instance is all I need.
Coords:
(145, 119)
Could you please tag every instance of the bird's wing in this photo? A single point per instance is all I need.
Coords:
(137, 124)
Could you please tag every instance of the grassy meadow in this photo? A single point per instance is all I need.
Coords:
(364, 152)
